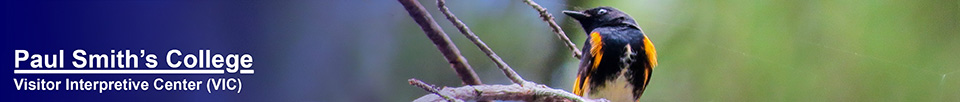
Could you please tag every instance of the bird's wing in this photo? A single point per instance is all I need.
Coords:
(643, 60)
(592, 54)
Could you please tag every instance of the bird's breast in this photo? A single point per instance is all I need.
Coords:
(617, 90)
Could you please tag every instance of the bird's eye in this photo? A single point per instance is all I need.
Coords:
(602, 11)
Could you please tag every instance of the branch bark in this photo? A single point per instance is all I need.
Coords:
(521, 90)
(442, 41)
(513, 92)
(431, 89)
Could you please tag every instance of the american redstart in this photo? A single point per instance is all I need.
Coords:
(618, 58)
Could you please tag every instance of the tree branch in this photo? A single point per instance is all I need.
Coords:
(442, 41)
(507, 70)
(522, 90)
(431, 89)
(513, 92)
(547, 17)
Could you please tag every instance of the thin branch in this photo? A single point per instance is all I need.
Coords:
(522, 90)
(431, 89)
(547, 17)
(465, 30)
(513, 92)
(442, 41)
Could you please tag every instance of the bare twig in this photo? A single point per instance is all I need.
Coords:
(522, 90)
(513, 92)
(507, 70)
(547, 17)
(431, 89)
(442, 41)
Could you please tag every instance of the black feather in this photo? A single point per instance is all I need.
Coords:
(616, 30)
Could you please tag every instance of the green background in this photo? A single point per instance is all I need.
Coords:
(726, 51)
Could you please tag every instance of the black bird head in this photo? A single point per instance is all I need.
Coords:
(600, 17)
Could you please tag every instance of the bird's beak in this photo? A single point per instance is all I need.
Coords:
(576, 14)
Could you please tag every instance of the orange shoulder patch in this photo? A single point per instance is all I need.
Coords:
(596, 48)
(651, 51)
(582, 84)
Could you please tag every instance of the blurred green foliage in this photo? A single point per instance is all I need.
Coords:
(801, 50)
(727, 51)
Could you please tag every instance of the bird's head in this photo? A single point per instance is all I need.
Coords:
(601, 16)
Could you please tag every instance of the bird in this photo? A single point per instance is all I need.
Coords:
(618, 58)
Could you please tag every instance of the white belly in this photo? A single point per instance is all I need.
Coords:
(618, 90)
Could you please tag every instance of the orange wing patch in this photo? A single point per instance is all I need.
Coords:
(596, 50)
(578, 88)
(651, 51)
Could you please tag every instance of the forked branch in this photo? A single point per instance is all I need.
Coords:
(442, 41)
(507, 70)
